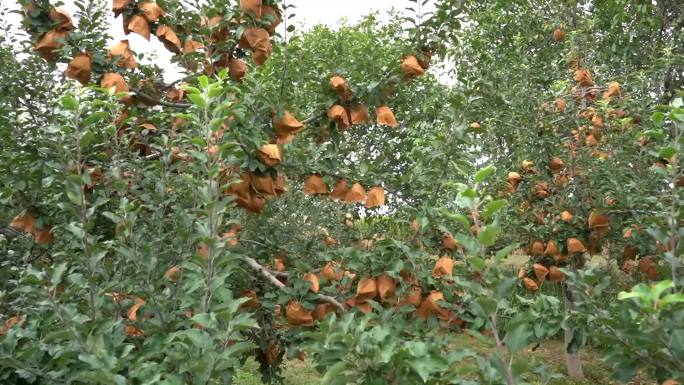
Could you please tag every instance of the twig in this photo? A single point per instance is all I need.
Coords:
(252, 242)
(314, 117)
(279, 274)
(332, 301)
(285, 50)
(180, 80)
(256, 266)
(10, 230)
(501, 351)
(147, 98)
(636, 211)
(153, 156)
(562, 118)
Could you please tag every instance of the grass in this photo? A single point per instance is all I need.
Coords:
(550, 353)
(295, 372)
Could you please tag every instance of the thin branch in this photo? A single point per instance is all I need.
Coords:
(256, 266)
(285, 46)
(147, 98)
(562, 118)
(11, 230)
(332, 301)
(180, 80)
(501, 351)
(279, 274)
(252, 242)
(314, 117)
(636, 211)
(153, 156)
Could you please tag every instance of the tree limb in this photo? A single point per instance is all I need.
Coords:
(256, 266)
(153, 156)
(147, 98)
(314, 117)
(332, 301)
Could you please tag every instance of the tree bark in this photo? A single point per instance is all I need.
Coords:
(572, 360)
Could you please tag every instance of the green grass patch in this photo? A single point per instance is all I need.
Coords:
(295, 372)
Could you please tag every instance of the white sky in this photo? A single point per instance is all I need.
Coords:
(307, 14)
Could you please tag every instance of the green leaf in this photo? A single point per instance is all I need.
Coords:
(477, 262)
(198, 100)
(657, 118)
(488, 305)
(659, 288)
(628, 294)
(460, 218)
(518, 338)
(76, 229)
(69, 102)
(505, 252)
(91, 360)
(625, 371)
(335, 371)
(239, 348)
(671, 298)
(74, 196)
(200, 142)
(243, 321)
(468, 193)
(74, 189)
(57, 335)
(667, 152)
(487, 234)
(483, 173)
(417, 348)
(190, 89)
(465, 201)
(112, 217)
(198, 338)
(94, 117)
(216, 124)
(215, 90)
(641, 292)
(87, 137)
(469, 242)
(364, 167)
(207, 320)
(57, 273)
(578, 340)
(427, 365)
(492, 208)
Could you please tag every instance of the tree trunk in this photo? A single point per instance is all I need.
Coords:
(572, 360)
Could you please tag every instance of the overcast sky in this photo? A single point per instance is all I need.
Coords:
(308, 13)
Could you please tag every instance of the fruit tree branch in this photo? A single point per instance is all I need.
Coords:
(147, 98)
(314, 117)
(256, 266)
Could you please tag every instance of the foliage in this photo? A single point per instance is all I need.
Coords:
(640, 330)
